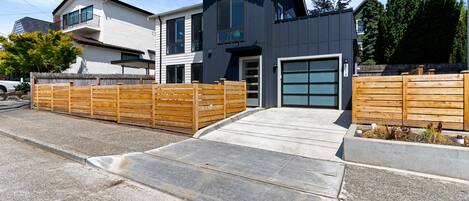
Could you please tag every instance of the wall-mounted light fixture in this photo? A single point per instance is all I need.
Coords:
(275, 68)
(346, 64)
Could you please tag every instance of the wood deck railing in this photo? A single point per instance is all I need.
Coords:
(412, 100)
(178, 107)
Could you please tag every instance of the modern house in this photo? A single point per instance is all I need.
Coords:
(28, 25)
(117, 38)
(179, 45)
(289, 59)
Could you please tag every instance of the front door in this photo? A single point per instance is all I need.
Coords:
(250, 71)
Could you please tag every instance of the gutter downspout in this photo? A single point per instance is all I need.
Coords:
(161, 49)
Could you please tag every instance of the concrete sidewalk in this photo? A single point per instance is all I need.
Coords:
(80, 138)
(312, 133)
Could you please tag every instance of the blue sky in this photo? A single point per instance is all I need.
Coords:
(11, 10)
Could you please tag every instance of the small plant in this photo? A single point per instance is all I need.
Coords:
(23, 87)
(433, 135)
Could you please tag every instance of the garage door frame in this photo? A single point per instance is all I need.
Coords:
(312, 57)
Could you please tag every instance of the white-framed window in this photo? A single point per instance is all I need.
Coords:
(360, 27)
(360, 45)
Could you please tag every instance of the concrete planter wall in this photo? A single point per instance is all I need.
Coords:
(450, 161)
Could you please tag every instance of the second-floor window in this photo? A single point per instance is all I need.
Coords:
(197, 32)
(128, 56)
(71, 18)
(87, 14)
(230, 21)
(175, 36)
(360, 26)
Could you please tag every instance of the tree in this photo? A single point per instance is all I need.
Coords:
(393, 24)
(320, 6)
(36, 52)
(372, 11)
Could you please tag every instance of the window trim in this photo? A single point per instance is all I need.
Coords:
(92, 13)
(175, 35)
(357, 25)
(192, 32)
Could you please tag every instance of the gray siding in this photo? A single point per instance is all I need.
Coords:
(327, 34)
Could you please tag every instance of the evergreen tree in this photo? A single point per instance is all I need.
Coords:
(393, 25)
(320, 6)
(459, 49)
(372, 11)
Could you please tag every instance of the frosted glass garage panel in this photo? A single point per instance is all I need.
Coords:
(299, 66)
(323, 89)
(295, 78)
(324, 65)
(326, 101)
(295, 89)
(324, 77)
(295, 100)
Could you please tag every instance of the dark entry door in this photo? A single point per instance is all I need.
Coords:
(310, 83)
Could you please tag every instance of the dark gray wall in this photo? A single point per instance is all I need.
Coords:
(314, 35)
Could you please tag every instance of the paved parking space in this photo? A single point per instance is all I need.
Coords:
(312, 133)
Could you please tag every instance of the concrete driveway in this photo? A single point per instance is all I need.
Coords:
(312, 133)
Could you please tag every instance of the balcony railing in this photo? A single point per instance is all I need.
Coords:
(83, 20)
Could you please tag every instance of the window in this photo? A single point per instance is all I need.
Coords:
(280, 11)
(230, 21)
(127, 56)
(360, 26)
(87, 14)
(284, 10)
(197, 33)
(175, 36)
(196, 72)
(175, 74)
(73, 18)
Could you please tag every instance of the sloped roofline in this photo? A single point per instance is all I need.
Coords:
(114, 1)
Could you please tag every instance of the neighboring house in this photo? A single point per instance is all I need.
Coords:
(360, 24)
(28, 25)
(179, 45)
(287, 58)
(117, 38)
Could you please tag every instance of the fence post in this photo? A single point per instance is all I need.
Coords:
(354, 98)
(405, 79)
(118, 109)
(245, 94)
(98, 81)
(37, 96)
(91, 101)
(223, 82)
(33, 88)
(52, 97)
(70, 85)
(153, 104)
(466, 99)
(195, 107)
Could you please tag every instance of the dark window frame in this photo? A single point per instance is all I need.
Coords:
(175, 79)
(231, 29)
(200, 72)
(171, 46)
(83, 17)
(129, 56)
(69, 18)
(197, 43)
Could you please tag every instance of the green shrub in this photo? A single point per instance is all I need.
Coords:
(23, 87)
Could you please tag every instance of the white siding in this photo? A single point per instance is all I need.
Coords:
(188, 57)
(119, 26)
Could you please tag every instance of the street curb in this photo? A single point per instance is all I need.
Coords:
(78, 157)
(225, 122)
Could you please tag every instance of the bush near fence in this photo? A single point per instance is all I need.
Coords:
(412, 100)
(176, 107)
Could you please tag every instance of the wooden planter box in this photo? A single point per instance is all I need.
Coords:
(449, 161)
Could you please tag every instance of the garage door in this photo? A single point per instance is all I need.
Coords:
(310, 83)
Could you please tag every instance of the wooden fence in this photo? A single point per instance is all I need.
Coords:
(412, 100)
(177, 107)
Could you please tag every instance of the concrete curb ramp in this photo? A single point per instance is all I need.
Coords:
(205, 170)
